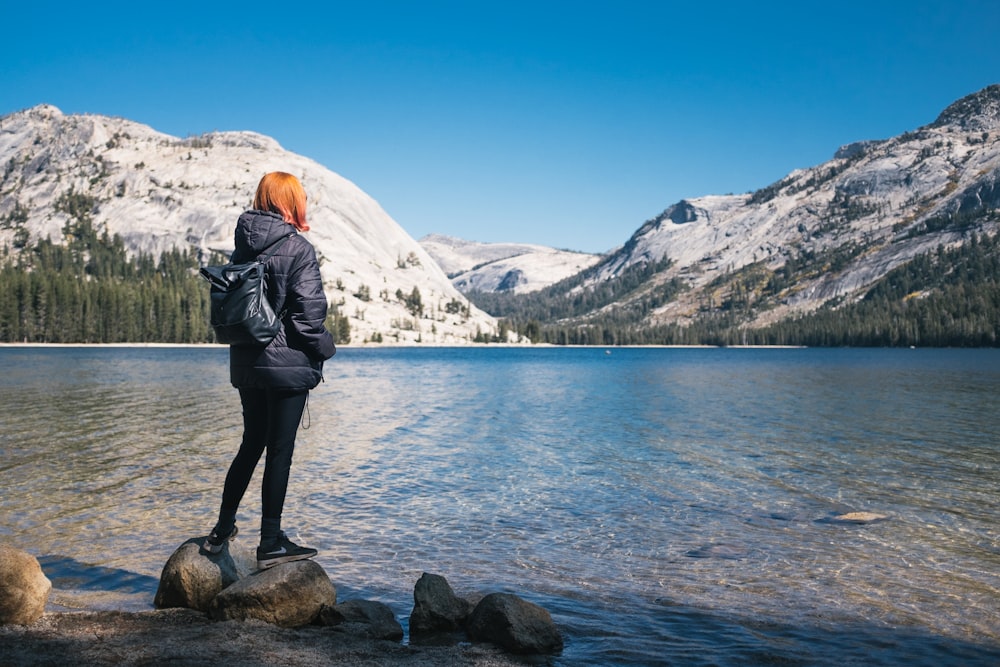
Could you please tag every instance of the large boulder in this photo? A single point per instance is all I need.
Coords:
(436, 608)
(192, 577)
(24, 588)
(516, 625)
(363, 618)
(289, 595)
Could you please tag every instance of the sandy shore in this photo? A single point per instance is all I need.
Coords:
(187, 637)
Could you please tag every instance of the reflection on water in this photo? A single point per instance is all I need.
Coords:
(668, 506)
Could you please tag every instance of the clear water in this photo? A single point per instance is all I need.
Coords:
(667, 506)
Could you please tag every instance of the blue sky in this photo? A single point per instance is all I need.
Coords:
(561, 123)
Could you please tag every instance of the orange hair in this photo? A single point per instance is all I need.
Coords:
(282, 193)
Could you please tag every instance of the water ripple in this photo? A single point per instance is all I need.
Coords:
(668, 506)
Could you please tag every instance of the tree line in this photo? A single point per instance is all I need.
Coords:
(945, 298)
(89, 290)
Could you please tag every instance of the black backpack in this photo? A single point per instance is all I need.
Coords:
(240, 311)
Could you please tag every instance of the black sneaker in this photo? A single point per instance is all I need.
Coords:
(215, 542)
(282, 550)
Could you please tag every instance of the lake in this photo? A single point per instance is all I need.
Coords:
(667, 506)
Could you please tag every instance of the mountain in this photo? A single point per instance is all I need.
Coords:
(887, 231)
(503, 267)
(159, 192)
(820, 238)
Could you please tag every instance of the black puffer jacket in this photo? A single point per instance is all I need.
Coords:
(294, 359)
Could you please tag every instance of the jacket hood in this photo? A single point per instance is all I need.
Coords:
(256, 230)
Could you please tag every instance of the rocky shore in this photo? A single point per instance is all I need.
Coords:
(214, 609)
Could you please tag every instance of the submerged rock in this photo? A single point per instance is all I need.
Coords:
(726, 551)
(856, 517)
(24, 588)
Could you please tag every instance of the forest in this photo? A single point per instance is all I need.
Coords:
(89, 290)
(946, 298)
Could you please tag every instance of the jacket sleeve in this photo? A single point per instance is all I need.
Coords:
(306, 307)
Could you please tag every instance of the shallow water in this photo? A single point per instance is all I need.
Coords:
(668, 506)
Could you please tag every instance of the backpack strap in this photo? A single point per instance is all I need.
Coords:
(267, 252)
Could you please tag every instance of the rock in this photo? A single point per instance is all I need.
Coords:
(192, 577)
(363, 618)
(725, 551)
(859, 517)
(436, 608)
(24, 588)
(516, 625)
(289, 595)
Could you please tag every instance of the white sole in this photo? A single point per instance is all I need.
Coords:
(212, 549)
(271, 562)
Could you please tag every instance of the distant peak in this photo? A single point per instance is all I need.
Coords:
(446, 240)
(978, 111)
(40, 112)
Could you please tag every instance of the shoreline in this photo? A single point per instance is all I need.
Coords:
(484, 346)
(188, 637)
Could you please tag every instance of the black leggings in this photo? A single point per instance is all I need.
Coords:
(270, 421)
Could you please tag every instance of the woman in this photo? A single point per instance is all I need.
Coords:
(274, 381)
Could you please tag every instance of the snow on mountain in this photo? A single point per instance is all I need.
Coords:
(160, 192)
(501, 267)
(879, 202)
